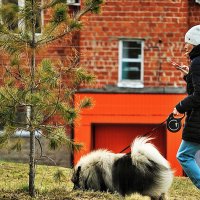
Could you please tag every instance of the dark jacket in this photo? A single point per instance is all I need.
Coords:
(191, 104)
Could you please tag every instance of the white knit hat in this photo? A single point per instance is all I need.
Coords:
(193, 35)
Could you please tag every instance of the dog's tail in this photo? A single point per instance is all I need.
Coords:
(142, 151)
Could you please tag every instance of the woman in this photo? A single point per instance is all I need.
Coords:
(191, 106)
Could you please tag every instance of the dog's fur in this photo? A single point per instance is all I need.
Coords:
(144, 171)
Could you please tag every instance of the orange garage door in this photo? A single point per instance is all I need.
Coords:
(116, 137)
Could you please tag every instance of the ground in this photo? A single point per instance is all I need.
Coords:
(14, 185)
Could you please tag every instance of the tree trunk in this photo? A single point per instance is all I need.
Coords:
(32, 165)
(32, 131)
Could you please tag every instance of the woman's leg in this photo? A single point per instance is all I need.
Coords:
(186, 157)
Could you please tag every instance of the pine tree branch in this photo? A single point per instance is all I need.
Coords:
(13, 74)
(68, 30)
(4, 96)
(53, 38)
(48, 33)
(42, 127)
(7, 90)
(49, 5)
(58, 99)
(41, 153)
(90, 6)
(7, 35)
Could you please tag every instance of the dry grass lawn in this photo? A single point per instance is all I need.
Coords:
(14, 185)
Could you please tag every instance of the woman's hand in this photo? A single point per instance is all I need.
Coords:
(175, 112)
(183, 68)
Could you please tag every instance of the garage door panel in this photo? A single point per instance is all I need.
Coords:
(116, 137)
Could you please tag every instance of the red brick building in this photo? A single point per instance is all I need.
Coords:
(154, 28)
(128, 47)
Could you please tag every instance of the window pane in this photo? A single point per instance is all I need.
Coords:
(132, 44)
(131, 49)
(73, 1)
(131, 70)
(9, 15)
(38, 20)
(38, 23)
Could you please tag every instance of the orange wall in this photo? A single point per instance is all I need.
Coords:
(128, 109)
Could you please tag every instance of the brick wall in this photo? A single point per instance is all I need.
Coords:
(162, 24)
(194, 13)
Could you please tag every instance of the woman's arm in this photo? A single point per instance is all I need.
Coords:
(193, 100)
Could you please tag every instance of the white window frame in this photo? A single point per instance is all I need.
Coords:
(197, 1)
(21, 24)
(73, 2)
(128, 82)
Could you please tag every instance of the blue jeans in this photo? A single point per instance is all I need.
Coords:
(186, 157)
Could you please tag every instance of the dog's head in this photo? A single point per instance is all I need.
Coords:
(91, 169)
(76, 178)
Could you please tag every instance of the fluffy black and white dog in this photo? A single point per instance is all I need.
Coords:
(144, 171)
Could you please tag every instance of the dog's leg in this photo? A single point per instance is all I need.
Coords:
(162, 197)
(154, 198)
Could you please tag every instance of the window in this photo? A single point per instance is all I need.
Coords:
(10, 18)
(73, 2)
(131, 63)
(197, 1)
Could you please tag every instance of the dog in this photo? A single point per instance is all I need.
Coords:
(144, 170)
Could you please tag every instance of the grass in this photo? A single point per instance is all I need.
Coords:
(14, 185)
